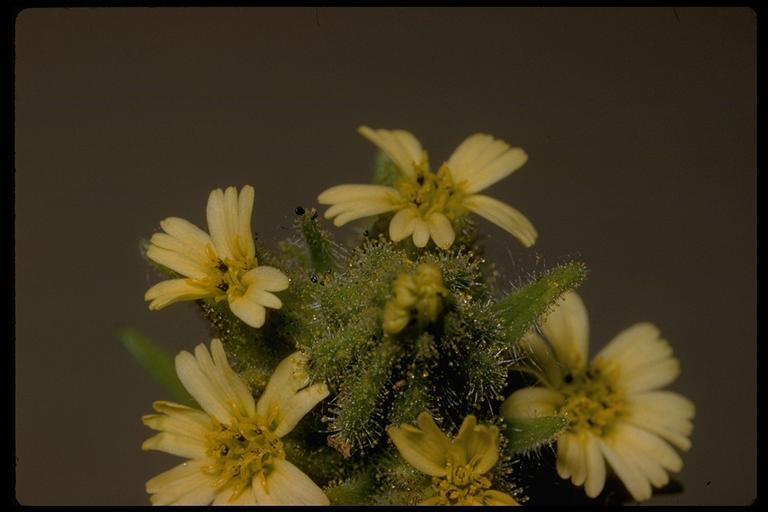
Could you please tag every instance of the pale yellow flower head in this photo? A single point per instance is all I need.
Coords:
(457, 465)
(615, 407)
(427, 203)
(234, 445)
(421, 291)
(221, 265)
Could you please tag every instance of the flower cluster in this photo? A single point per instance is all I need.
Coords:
(234, 443)
(399, 335)
(426, 203)
(457, 465)
(221, 265)
(615, 407)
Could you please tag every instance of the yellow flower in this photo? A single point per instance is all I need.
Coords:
(222, 265)
(427, 203)
(236, 455)
(456, 465)
(615, 406)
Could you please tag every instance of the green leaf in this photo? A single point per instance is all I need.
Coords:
(157, 361)
(318, 242)
(331, 353)
(520, 310)
(358, 406)
(527, 434)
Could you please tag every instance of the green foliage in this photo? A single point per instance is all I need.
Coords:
(320, 462)
(474, 337)
(463, 273)
(399, 482)
(254, 353)
(355, 490)
(456, 362)
(455, 366)
(157, 361)
(364, 283)
(413, 393)
(334, 351)
(529, 434)
(317, 241)
(293, 252)
(358, 414)
(520, 310)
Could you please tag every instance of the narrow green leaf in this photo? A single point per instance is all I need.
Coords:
(526, 434)
(521, 309)
(318, 242)
(358, 406)
(157, 361)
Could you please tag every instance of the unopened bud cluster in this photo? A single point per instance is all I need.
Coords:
(421, 292)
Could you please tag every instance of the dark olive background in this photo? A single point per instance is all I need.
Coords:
(639, 123)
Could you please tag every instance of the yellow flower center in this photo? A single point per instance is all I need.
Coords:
(593, 401)
(432, 192)
(462, 485)
(421, 291)
(226, 274)
(241, 450)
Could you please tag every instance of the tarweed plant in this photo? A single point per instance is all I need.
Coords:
(396, 370)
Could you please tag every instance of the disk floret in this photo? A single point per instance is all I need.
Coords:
(593, 400)
(242, 450)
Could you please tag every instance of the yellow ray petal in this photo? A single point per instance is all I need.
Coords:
(348, 193)
(399, 145)
(297, 406)
(424, 447)
(266, 278)
(171, 291)
(531, 402)
(503, 216)
(210, 398)
(402, 223)
(441, 230)
(420, 233)
(595, 467)
(249, 312)
(567, 329)
(478, 443)
(175, 444)
(287, 485)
